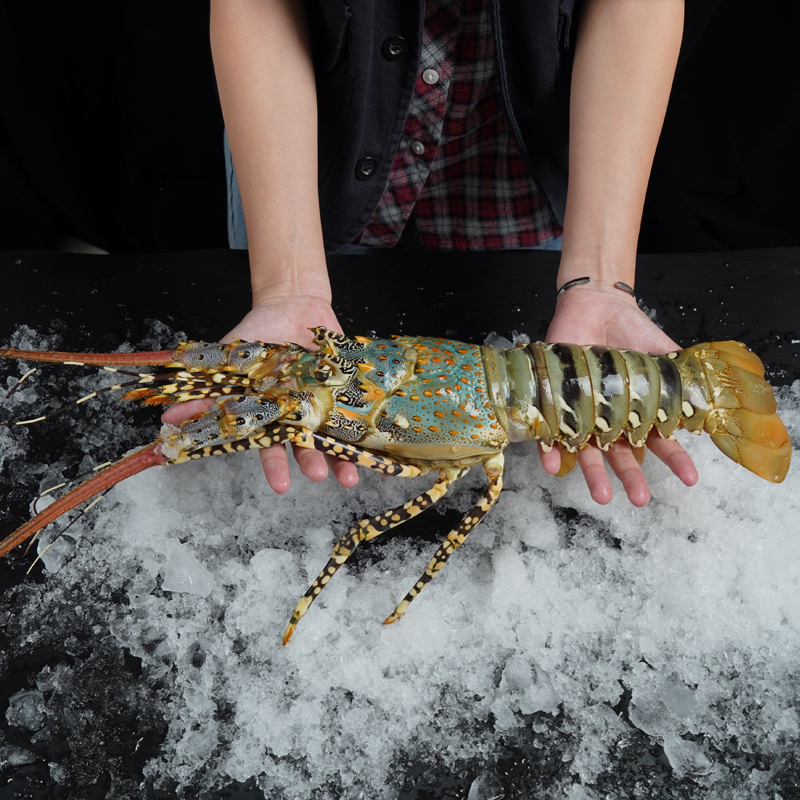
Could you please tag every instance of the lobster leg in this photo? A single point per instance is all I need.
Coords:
(302, 437)
(368, 529)
(456, 537)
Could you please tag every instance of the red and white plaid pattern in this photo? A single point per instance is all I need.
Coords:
(470, 187)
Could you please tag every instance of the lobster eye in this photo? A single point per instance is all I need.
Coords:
(240, 420)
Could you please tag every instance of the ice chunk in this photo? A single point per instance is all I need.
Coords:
(486, 787)
(184, 573)
(26, 710)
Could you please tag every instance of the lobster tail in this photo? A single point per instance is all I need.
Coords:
(567, 395)
(138, 461)
(725, 395)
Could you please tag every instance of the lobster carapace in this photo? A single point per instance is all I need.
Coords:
(410, 405)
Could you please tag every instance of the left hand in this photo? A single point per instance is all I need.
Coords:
(278, 320)
(597, 313)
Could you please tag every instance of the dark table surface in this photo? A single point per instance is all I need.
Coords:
(99, 302)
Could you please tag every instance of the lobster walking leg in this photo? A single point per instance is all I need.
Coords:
(456, 537)
(366, 530)
(312, 440)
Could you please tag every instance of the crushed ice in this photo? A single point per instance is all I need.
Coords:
(557, 618)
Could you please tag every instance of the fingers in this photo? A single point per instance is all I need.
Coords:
(313, 465)
(344, 472)
(275, 462)
(675, 457)
(551, 460)
(622, 460)
(180, 412)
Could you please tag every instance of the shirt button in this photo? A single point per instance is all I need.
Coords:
(366, 168)
(430, 76)
(394, 48)
(417, 147)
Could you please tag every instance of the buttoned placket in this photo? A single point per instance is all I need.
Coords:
(429, 102)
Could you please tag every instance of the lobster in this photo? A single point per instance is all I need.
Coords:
(407, 406)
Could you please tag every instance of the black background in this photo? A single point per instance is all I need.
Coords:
(110, 129)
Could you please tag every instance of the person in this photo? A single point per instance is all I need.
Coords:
(276, 62)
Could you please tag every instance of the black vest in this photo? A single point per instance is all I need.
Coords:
(366, 55)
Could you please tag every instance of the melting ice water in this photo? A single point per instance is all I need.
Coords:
(586, 637)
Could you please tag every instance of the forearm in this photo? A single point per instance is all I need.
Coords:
(624, 64)
(267, 91)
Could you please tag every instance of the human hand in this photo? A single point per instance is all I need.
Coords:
(278, 320)
(596, 313)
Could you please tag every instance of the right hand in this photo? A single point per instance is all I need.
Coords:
(278, 320)
(596, 314)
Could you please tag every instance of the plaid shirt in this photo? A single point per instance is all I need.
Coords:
(459, 166)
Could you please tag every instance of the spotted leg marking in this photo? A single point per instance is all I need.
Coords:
(278, 433)
(271, 435)
(456, 537)
(366, 530)
(302, 437)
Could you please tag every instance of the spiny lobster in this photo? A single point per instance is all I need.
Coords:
(407, 406)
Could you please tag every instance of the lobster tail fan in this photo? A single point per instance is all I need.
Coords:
(138, 461)
(743, 423)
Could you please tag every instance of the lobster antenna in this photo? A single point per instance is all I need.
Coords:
(67, 526)
(61, 485)
(143, 377)
(19, 382)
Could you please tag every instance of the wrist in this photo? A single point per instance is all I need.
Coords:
(301, 274)
(286, 293)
